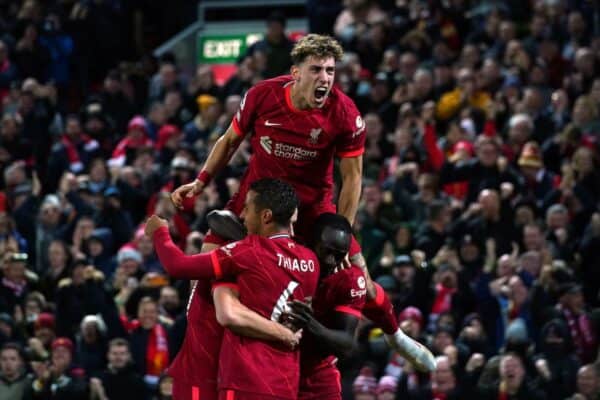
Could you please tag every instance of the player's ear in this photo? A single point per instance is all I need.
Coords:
(267, 216)
(295, 72)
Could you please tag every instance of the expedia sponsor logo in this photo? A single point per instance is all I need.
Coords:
(287, 151)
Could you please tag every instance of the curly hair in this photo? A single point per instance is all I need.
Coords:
(319, 46)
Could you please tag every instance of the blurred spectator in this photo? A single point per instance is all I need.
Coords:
(587, 383)
(58, 379)
(14, 382)
(275, 48)
(149, 343)
(118, 381)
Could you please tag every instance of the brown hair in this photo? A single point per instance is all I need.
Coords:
(319, 46)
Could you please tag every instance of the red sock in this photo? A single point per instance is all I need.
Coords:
(381, 312)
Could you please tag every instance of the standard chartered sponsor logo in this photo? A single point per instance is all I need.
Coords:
(287, 151)
(266, 143)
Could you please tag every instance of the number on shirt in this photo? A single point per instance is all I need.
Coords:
(281, 304)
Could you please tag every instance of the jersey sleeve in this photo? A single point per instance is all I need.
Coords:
(351, 140)
(350, 293)
(246, 115)
(232, 259)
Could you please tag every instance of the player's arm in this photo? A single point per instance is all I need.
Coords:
(338, 340)
(176, 262)
(351, 173)
(238, 318)
(218, 158)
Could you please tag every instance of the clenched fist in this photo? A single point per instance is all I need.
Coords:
(153, 223)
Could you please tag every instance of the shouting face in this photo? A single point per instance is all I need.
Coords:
(314, 80)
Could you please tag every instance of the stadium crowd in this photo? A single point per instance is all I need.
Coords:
(479, 213)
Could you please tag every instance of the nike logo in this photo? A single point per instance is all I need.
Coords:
(267, 123)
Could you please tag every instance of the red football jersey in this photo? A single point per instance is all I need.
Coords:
(269, 273)
(197, 362)
(344, 291)
(294, 145)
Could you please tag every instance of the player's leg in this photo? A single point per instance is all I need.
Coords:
(323, 383)
(380, 310)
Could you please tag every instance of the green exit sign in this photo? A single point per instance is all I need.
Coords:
(224, 49)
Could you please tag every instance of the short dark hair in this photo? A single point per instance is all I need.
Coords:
(14, 346)
(435, 209)
(277, 196)
(333, 221)
(119, 342)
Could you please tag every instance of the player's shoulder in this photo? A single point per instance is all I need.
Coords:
(344, 109)
(278, 82)
(237, 246)
(352, 277)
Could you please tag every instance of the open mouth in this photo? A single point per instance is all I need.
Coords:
(320, 94)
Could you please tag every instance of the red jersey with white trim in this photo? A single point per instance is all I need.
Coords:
(344, 291)
(197, 361)
(297, 146)
(269, 273)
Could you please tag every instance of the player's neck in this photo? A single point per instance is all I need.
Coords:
(274, 231)
(298, 101)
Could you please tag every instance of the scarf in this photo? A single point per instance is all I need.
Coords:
(17, 288)
(502, 394)
(157, 351)
(120, 152)
(443, 299)
(89, 144)
(582, 334)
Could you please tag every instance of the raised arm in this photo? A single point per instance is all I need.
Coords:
(218, 158)
(238, 318)
(176, 262)
(351, 172)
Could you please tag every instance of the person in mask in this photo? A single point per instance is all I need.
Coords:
(556, 363)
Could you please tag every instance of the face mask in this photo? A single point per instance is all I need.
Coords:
(363, 89)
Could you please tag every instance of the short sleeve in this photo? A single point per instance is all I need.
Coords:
(351, 141)
(230, 260)
(246, 114)
(351, 293)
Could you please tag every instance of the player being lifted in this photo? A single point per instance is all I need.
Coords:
(297, 124)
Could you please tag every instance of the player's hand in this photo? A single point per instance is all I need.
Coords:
(188, 190)
(301, 315)
(153, 223)
(290, 338)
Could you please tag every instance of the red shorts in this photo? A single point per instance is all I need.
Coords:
(184, 391)
(230, 394)
(323, 382)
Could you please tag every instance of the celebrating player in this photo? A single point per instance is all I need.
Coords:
(297, 124)
(270, 269)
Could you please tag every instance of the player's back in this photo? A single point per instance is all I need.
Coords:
(196, 363)
(272, 272)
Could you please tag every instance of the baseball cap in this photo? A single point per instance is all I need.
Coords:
(45, 320)
(403, 260)
(412, 313)
(62, 342)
